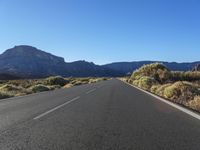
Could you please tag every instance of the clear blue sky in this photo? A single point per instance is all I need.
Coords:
(104, 31)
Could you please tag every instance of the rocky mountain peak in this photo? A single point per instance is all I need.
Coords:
(27, 52)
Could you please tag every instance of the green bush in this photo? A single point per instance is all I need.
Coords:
(57, 80)
(39, 88)
(157, 71)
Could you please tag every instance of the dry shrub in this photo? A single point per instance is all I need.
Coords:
(12, 90)
(160, 89)
(195, 103)
(154, 88)
(185, 76)
(145, 82)
(180, 92)
(4, 95)
(156, 70)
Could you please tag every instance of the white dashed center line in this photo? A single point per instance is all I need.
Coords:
(90, 91)
(55, 108)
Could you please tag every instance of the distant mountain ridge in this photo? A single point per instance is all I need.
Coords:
(25, 61)
(29, 62)
(129, 67)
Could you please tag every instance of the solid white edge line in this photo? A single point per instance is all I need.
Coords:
(55, 108)
(90, 91)
(183, 109)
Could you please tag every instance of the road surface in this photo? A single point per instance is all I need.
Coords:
(108, 115)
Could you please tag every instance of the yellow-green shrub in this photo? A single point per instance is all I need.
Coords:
(156, 70)
(145, 82)
(4, 95)
(154, 88)
(195, 103)
(181, 91)
(160, 90)
(12, 90)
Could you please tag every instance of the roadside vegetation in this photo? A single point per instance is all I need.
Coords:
(180, 87)
(12, 88)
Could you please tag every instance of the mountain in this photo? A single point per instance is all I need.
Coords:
(196, 67)
(129, 67)
(8, 77)
(29, 62)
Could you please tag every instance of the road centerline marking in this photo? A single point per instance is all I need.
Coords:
(90, 91)
(56, 108)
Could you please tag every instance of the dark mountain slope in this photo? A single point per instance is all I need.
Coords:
(29, 62)
(128, 67)
(196, 67)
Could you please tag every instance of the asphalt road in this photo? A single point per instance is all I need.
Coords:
(109, 115)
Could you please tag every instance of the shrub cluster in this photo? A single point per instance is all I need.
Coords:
(185, 76)
(10, 90)
(145, 82)
(181, 91)
(195, 103)
(157, 71)
(4, 95)
(39, 88)
(175, 86)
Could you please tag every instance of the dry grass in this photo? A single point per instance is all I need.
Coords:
(12, 90)
(23, 87)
